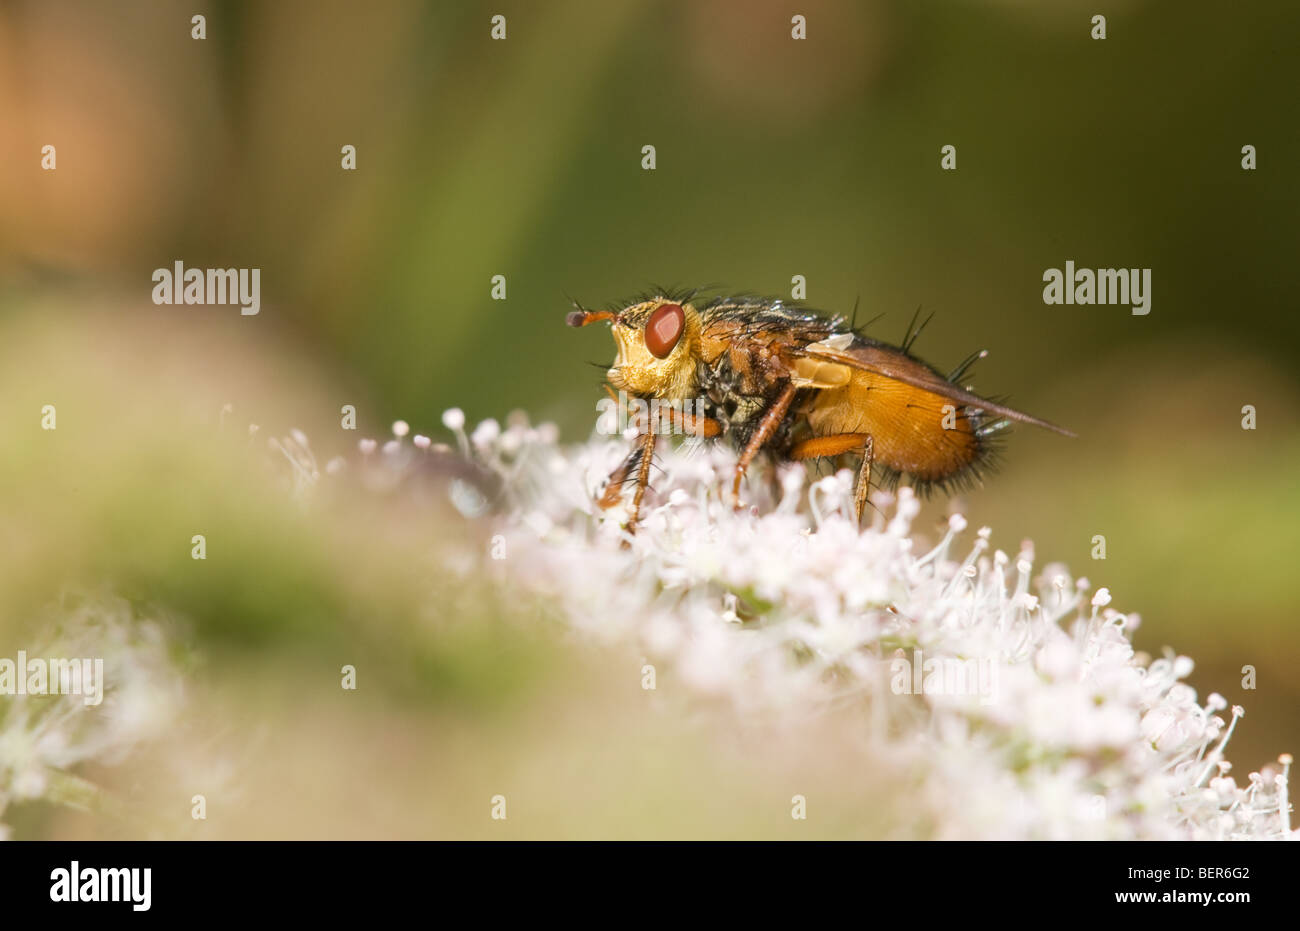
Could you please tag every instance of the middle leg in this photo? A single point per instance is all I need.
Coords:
(767, 424)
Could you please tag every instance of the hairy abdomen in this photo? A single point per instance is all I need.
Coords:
(907, 425)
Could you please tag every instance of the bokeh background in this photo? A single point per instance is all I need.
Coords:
(522, 158)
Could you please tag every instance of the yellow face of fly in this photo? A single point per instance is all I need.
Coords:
(658, 348)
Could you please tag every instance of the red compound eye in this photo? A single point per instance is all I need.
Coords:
(664, 329)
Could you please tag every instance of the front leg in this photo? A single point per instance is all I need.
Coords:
(638, 462)
(647, 440)
(618, 478)
(767, 425)
(692, 424)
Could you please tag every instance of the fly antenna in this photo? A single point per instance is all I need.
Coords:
(583, 317)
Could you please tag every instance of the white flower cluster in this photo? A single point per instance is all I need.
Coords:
(44, 736)
(1013, 701)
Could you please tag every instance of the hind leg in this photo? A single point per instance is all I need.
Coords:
(834, 445)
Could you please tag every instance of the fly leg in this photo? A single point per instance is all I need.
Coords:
(639, 462)
(834, 445)
(647, 450)
(864, 481)
(767, 425)
(618, 478)
(692, 424)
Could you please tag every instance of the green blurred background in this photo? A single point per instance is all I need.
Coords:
(775, 158)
